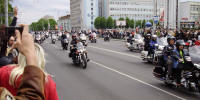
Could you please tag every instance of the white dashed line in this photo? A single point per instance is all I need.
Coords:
(133, 78)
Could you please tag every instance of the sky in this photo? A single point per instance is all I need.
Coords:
(32, 10)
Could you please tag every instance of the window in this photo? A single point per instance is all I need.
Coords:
(91, 8)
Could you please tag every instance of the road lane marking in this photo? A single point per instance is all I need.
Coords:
(126, 75)
(133, 78)
(115, 52)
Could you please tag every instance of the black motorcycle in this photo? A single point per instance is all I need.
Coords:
(107, 38)
(80, 55)
(190, 76)
(65, 44)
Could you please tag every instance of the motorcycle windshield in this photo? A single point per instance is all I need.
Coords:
(195, 54)
(80, 45)
(82, 37)
(138, 36)
(162, 41)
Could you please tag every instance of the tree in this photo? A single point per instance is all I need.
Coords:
(110, 23)
(115, 26)
(97, 23)
(2, 11)
(43, 24)
(131, 24)
(103, 23)
(143, 23)
(138, 23)
(151, 21)
(127, 22)
(121, 19)
(52, 24)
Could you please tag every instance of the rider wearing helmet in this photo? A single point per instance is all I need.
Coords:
(152, 46)
(147, 41)
(167, 52)
(178, 60)
(72, 45)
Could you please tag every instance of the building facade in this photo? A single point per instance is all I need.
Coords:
(190, 14)
(170, 14)
(64, 23)
(134, 9)
(83, 14)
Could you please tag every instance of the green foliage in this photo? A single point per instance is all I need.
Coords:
(103, 23)
(42, 24)
(97, 23)
(100, 23)
(143, 23)
(151, 21)
(131, 24)
(2, 10)
(127, 22)
(138, 23)
(121, 19)
(110, 23)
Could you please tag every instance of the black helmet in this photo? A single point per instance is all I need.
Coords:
(171, 38)
(180, 43)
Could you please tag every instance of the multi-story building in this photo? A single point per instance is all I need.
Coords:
(189, 14)
(83, 14)
(170, 16)
(134, 9)
(64, 23)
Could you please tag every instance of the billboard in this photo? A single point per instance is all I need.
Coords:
(120, 23)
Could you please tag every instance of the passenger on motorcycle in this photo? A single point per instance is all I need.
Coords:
(152, 46)
(178, 60)
(167, 52)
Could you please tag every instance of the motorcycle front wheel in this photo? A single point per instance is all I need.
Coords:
(84, 62)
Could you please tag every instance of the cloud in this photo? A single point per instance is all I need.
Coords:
(32, 10)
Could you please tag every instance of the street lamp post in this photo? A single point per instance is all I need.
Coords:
(6, 12)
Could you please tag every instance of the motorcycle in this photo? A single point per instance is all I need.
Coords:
(83, 39)
(80, 55)
(154, 57)
(38, 39)
(107, 38)
(136, 43)
(93, 38)
(65, 44)
(53, 39)
(162, 42)
(190, 76)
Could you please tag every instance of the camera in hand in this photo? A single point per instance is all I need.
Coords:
(5, 34)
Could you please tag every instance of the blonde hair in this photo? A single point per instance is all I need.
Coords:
(18, 71)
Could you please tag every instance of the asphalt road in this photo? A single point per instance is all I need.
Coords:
(114, 73)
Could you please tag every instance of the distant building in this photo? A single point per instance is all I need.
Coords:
(190, 14)
(64, 23)
(48, 17)
(134, 9)
(83, 14)
(171, 21)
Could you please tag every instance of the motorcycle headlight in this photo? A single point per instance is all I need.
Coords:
(197, 74)
(160, 48)
(188, 59)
